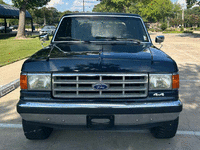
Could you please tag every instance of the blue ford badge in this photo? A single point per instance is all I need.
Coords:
(100, 86)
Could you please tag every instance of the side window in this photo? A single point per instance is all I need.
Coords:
(64, 29)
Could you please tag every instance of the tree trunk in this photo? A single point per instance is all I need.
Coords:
(44, 20)
(22, 17)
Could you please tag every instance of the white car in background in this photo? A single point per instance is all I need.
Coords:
(48, 30)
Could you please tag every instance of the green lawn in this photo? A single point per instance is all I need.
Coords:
(12, 50)
(177, 31)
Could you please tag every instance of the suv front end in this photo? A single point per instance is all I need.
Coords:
(109, 83)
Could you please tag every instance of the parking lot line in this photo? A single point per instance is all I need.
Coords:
(189, 80)
(5, 125)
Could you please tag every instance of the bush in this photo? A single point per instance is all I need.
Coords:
(187, 31)
(163, 26)
(197, 29)
(151, 29)
(170, 29)
(158, 30)
(182, 29)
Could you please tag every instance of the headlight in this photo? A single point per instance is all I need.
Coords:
(160, 81)
(39, 81)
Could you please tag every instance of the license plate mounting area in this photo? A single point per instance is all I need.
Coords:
(100, 121)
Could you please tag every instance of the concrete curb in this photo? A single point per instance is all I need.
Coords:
(5, 89)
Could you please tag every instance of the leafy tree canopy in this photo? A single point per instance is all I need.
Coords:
(29, 3)
(2, 2)
(190, 3)
(150, 10)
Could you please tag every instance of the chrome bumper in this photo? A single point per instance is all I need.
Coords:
(76, 113)
(81, 119)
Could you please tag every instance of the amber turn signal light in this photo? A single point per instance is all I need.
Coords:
(175, 79)
(23, 82)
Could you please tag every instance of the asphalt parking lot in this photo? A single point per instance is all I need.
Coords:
(185, 50)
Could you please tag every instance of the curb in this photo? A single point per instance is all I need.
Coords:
(5, 89)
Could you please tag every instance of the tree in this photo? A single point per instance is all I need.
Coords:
(190, 3)
(45, 15)
(150, 10)
(2, 2)
(192, 17)
(23, 5)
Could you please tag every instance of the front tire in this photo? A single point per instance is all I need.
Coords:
(34, 132)
(165, 131)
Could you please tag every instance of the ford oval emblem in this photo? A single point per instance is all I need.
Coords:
(100, 86)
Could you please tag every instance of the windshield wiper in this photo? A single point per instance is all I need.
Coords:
(119, 39)
(68, 38)
(53, 46)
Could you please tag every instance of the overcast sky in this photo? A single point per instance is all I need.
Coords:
(63, 5)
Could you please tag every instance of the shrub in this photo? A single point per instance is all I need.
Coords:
(158, 30)
(151, 29)
(163, 26)
(182, 29)
(187, 31)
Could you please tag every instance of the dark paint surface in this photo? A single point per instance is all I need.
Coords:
(102, 57)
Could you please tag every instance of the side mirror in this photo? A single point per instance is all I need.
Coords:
(159, 39)
(44, 37)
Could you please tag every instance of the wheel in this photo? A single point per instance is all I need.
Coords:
(34, 132)
(167, 130)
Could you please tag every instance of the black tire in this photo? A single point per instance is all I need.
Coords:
(165, 131)
(34, 132)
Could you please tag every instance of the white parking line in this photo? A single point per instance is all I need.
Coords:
(196, 133)
(189, 80)
(5, 125)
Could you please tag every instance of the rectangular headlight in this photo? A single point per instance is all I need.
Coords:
(160, 81)
(39, 81)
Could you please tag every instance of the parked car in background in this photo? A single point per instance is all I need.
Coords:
(48, 30)
(2, 29)
(13, 27)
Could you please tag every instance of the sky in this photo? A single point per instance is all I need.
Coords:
(77, 5)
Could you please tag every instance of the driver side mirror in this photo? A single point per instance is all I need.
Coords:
(159, 39)
(44, 37)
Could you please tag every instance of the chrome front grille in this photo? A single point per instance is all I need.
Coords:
(82, 85)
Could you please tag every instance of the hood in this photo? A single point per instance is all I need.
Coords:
(90, 58)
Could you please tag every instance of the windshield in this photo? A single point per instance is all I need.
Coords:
(97, 28)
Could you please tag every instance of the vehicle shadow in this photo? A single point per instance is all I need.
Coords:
(8, 112)
(191, 35)
(190, 96)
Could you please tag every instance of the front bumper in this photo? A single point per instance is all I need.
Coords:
(76, 113)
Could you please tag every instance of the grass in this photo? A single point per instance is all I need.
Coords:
(12, 50)
(177, 31)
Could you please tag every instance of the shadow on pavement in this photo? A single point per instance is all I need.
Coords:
(190, 96)
(8, 112)
(191, 35)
